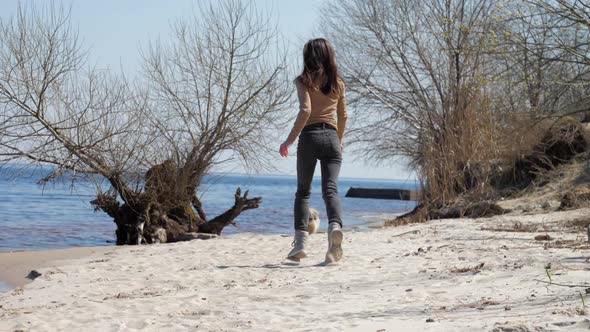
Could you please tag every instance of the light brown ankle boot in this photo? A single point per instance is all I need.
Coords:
(335, 237)
(299, 243)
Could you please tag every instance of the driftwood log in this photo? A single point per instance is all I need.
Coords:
(167, 210)
(471, 210)
(422, 213)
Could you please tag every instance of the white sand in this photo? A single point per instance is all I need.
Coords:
(386, 283)
(15, 266)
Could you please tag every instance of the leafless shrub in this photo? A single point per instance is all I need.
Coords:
(414, 70)
(458, 88)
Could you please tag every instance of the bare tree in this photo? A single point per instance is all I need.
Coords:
(208, 94)
(566, 25)
(574, 17)
(414, 71)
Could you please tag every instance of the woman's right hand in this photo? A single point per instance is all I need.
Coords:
(284, 149)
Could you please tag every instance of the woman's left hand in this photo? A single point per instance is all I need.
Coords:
(284, 149)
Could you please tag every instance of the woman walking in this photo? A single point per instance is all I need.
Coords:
(320, 126)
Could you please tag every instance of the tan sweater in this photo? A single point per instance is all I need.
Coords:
(316, 107)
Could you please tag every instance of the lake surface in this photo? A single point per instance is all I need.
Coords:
(59, 215)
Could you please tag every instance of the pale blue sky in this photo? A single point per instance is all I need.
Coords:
(114, 30)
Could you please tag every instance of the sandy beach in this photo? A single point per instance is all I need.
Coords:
(16, 266)
(451, 275)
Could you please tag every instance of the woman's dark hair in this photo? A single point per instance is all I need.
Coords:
(319, 66)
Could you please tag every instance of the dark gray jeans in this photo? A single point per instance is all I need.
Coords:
(318, 143)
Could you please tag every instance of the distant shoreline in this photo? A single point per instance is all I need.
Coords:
(217, 174)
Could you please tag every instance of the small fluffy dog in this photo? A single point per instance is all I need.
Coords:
(314, 221)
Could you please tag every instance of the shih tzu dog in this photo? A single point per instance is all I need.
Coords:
(314, 221)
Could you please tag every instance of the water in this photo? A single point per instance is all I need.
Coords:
(4, 287)
(60, 216)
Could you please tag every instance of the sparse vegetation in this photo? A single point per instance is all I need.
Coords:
(575, 198)
(480, 97)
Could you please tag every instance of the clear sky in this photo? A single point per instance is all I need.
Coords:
(114, 31)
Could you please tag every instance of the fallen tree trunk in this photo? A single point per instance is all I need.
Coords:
(472, 210)
(422, 213)
(167, 210)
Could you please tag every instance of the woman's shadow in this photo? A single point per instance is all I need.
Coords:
(283, 265)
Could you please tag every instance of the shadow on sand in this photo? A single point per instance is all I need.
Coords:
(284, 265)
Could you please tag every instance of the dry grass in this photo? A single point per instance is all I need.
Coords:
(476, 155)
(558, 181)
(520, 133)
(574, 198)
(485, 157)
(456, 159)
(547, 146)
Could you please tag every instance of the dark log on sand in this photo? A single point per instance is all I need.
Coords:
(422, 213)
(472, 210)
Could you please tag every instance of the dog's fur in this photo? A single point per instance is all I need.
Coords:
(314, 221)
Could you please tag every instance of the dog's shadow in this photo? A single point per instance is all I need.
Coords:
(283, 265)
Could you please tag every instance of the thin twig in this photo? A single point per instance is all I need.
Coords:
(561, 285)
